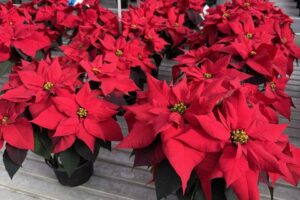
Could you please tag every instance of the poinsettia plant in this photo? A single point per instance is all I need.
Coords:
(214, 133)
(67, 81)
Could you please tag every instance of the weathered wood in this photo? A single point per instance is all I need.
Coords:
(114, 177)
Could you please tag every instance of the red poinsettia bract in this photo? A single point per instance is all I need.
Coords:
(84, 116)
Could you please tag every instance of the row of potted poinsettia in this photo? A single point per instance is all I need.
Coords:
(214, 130)
(66, 62)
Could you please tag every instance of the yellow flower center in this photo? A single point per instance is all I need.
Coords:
(247, 4)
(48, 86)
(176, 24)
(148, 37)
(96, 70)
(179, 107)
(119, 53)
(239, 136)
(80, 46)
(4, 120)
(140, 56)
(207, 75)
(133, 26)
(82, 113)
(253, 53)
(249, 35)
(273, 86)
(226, 15)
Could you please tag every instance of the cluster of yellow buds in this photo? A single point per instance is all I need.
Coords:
(273, 86)
(253, 53)
(247, 4)
(207, 75)
(226, 15)
(4, 120)
(249, 35)
(119, 53)
(239, 136)
(179, 107)
(82, 113)
(48, 86)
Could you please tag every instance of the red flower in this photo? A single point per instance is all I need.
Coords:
(77, 50)
(109, 76)
(84, 116)
(152, 38)
(287, 39)
(210, 71)
(243, 136)
(167, 112)
(275, 90)
(15, 129)
(140, 56)
(252, 7)
(47, 80)
(175, 26)
(114, 51)
(246, 28)
(25, 37)
(66, 18)
(258, 58)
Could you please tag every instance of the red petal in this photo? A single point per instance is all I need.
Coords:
(31, 80)
(64, 143)
(88, 139)
(49, 118)
(19, 94)
(158, 91)
(140, 136)
(182, 159)
(55, 72)
(19, 135)
(213, 128)
(232, 166)
(66, 127)
(66, 106)
(246, 187)
(108, 130)
(199, 140)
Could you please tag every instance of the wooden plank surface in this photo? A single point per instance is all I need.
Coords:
(114, 177)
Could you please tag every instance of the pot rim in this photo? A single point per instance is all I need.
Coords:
(85, 163)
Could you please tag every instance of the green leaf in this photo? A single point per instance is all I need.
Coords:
(271, 190)
(166, 180)
(84, 151)
(198, 195)
(70, 160)
(218, 189)
(5, 67)
(42, 144)
(22, 55)
(230, 195)
(105, 145)
(10, 166)
(193, 191)
(16, 155)
(39, 55)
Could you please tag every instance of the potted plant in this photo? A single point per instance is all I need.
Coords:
(61, 86)
(214, 132)
(79, 54)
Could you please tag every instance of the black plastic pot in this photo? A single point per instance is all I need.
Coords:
(80, 176)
